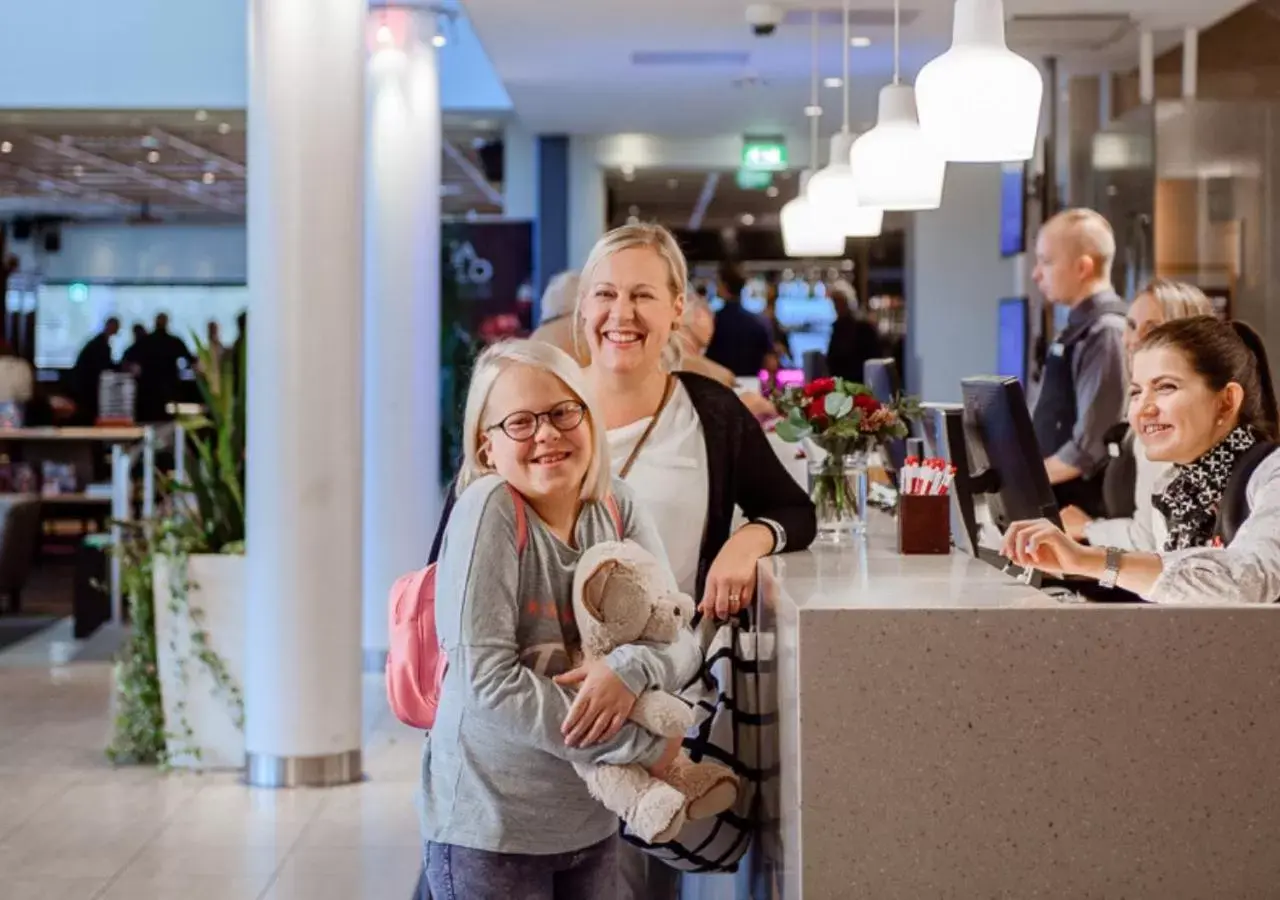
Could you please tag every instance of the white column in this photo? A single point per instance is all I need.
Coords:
(1190, 62)
(402, 311)
(519, 172)
(1147, 66)
(586, 199)
(306, 121)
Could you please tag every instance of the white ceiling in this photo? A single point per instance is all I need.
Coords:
(567, 64)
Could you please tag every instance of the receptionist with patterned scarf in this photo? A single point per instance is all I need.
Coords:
(1201, 398)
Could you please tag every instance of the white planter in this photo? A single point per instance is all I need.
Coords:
(189, 691)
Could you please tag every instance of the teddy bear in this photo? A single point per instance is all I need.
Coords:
(622, 594)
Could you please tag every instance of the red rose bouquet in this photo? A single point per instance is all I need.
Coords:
(846, 422)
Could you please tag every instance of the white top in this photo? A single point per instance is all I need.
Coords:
(1248, 571)
(670, 480)
(1146, 530)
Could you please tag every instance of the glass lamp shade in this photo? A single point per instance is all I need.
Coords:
(979, 101)
(895, 166)
(833, 195)
(805, 232)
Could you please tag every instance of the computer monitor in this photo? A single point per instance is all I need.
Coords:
(881, 376)
(942, 428)
(1013, 330)
(1005, 462)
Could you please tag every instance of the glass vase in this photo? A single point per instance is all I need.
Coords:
(838, 488)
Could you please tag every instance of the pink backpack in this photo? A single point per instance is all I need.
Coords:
(416, 662)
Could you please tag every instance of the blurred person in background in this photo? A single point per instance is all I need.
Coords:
(94, 359)
(854, 339)
(741, 341)
(133, 353)
(697, 326)
(778, 333)
(557, 326)
(162, 357)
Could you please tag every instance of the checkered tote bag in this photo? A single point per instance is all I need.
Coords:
(727, 703)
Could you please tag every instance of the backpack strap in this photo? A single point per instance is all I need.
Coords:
(1233, 509)
(611, 502)
(522, 521)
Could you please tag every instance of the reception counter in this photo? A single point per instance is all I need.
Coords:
(947, 731)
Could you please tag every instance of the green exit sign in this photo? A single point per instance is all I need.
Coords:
(764, 154)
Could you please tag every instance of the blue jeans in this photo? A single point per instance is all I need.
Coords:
(459, 873)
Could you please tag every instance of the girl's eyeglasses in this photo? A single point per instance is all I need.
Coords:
(523, 425)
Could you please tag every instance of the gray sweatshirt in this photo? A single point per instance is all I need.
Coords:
(496, 774)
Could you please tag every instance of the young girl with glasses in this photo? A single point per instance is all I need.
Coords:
(504, 812)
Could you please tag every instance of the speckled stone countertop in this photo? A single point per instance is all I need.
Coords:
(948, 732)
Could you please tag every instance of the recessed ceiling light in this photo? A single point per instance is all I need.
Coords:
(673, 183)
(771, 191)
(859, 40)
(633, 220)
(209, 178)
(438, 40)
(153, 157)
(224, 128)
(813, 111)
(833, 82)
(747, 219)
(6, 147)
(201, 115)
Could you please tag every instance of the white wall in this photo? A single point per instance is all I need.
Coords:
(143, 253)
(955, 280)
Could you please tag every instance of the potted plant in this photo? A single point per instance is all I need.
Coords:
(843, 423)
(179, 699)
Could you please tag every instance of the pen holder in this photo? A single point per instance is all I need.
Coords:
(924, 524)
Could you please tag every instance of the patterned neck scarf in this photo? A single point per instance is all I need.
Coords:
(1190, 502)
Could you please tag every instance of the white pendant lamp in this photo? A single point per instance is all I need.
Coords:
(805, 231)
(980, 101)
(832, 191)
(895, 165)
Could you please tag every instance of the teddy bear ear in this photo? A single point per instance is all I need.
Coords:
(593, 587)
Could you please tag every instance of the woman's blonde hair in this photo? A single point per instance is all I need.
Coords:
(651, 237)
(1177, 299)
(544, 357)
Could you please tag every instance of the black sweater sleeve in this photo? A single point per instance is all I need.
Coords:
(765, 489)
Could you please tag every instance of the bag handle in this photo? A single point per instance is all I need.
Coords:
(635, 452)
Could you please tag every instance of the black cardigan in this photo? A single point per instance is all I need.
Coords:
(743, 471)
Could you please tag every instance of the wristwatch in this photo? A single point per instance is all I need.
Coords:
(1111, 571)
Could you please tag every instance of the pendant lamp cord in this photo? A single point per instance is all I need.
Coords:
(897, 27)
(844, 58)
(813, 91)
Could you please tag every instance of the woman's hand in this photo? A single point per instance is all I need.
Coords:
(601, 707)
(1074, 521)
(731, 580)
(1039, 544)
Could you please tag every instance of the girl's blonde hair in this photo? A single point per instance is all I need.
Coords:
(544, 357)
(1177, 299)
(630, 237)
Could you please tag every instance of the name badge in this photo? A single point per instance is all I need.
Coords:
(1056, 349)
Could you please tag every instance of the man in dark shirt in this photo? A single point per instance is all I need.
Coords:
(854, 340)
(94, 359)
(159, 383)
(1084, 389)
(741, 342)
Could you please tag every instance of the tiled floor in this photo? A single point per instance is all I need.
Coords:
(73, 828)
